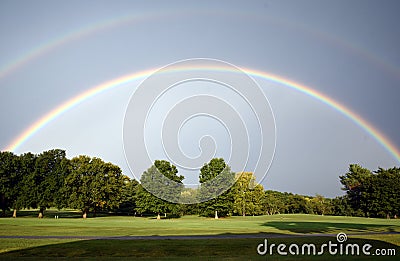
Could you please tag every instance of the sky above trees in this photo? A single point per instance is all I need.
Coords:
(53, 51)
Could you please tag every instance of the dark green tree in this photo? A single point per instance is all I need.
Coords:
(274, 202)
(165, 188)
(297, 204)
(46, 181)
(216, 181)
(354, 185)
(341, 206)
(373, 194)
(128, 197)
(381, 193)
(26, 167)
(10, 181)
(93, 185)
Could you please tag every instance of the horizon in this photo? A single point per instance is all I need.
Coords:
(333, 98)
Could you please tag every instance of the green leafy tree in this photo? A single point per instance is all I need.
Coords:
(26, 167)
(189, 204)
(257, 200)
(146, 202)
(320, 205)
(158, 178)
(373, 194)
(45, 182)
(93, 185)
(354, 185)
(381, 193)
(248, 196)
(214, 178)
(10, 181)
(274, 202)
(341, 206)
(298, 204)
(128, 197)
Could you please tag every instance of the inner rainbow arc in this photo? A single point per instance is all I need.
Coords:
(69, 104)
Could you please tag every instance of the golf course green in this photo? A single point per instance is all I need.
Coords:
(188, 237)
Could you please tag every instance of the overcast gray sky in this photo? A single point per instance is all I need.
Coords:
(51, 51)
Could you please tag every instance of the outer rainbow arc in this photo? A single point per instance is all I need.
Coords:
(42, 122)
(70, 36)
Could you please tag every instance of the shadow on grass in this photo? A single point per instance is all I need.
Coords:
(327, 227)
(187, 249)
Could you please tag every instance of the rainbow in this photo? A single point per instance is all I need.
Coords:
(51, 44)
(117, 82)
(92, 28)
(73, 35)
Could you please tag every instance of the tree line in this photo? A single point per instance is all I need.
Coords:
(50, 179)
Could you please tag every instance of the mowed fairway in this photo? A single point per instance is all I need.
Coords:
(234, 238)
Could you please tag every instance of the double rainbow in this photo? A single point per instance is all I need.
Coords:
(66, 106)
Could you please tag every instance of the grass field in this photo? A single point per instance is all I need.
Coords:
(91, 238)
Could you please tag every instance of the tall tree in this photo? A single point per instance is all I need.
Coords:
(248, 196)
(257, 200)
(216, 179)
(93, 184)
(374, 194)
(354, 183)
(10, 180)
(162, 177)
(26, 167)
(381, 193)
(45, 182)
(128, 196)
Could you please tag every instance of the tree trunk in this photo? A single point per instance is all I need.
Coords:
(85, 212)
(3, 205)
(41, 212)
(15, 213)
(94, 212)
